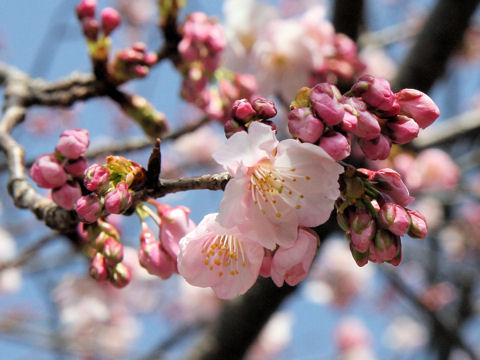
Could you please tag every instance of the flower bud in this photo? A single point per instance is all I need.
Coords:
(89, 208)
(243, 111)
(335, 144)
(354, 187)
(67, 195)
(97, 269)
(376, 149)
(343, 222)
(73, 143)
(398, 258)
(47, 172)
(120, 276)
(390, 183)
(418, 106)
(367, 124)
(325, 99)
(155, 260)
(386, 245)
(77, 167)
(231, 127)
(418, 227)
(90, 28)
(350, 119)
(403, 129)
(97, 178)
(394, 218)
(265, 108)
(360, 258)
(110, 20)
(113, 251)
(303, 125)
(376, 92)
(86, 9)
(118, 200)
(362, 229)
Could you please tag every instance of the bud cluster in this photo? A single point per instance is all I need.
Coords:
(110, 19)
(133, 62)
(160, 257)
(244, 112)
(106, 251)
(373, 213)
(370, 112)
(61, 170)
(111, 185)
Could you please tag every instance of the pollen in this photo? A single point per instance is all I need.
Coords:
(206, 261)
(278, 214)
(293, 169)
(307, 177)
(220, 274)
(297, 207)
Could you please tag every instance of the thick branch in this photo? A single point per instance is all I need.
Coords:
(348, 17)
(441, 35)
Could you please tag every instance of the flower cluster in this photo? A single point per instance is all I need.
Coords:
(370, 112)
(244, 112)
(62, 170)
(110, 187)
(277, 190)
(103, 247)
(373, 213)
(109, 20)
(133, 62)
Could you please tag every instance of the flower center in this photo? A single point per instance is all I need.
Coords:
(226, 254)
(270, 184)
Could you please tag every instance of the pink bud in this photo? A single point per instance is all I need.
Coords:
(90, 28)
(216, 39)
(367, 124)
(141, 71)
(291, 265)
(73, 143)
(403, 129)
(362, 229)
(77, 167)
(96, 178)
(325, 99)
(113, 251)
(390, 183)
(97, 269)
(246, 83)
(89, 208)
(118, 200)
(67, 195)
(265, 108)
(418, 228)
(394, 218)
(398, 258)
(350, 119)
(376, 149)
(242, 110)
(139, 47)
(151, 58)
(418, 106)
(110, 20)
(360, 258)
(120, 276)
(335, 144)
(155, 260)
(47, 172)
(377, 93)
(386, 245)
(303, 125)
(86, 8)
(231, 127)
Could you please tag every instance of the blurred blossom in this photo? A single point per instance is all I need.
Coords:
(273, 339)
(335, 277)
(438, 296)
(11, 278)
(405, 334)
(432, 209)
(199, 145)
(453, 242)
(378, 63)
(196, 304)
(353, 340)
(136, 13)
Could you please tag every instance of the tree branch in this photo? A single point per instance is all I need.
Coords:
(348, 17)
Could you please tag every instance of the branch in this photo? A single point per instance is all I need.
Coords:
(442, 33)
(348, 17)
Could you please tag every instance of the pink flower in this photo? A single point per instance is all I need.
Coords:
(176, 223)
(292, 264)
(418, 106)
(73, 143)
(67, 195)
(225, 259)
(276, 186)
(394, 218)
(47, 172)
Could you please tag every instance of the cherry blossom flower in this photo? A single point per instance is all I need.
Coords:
(275, 186)
(223, 258)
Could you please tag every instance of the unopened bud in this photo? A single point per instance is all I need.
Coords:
(120, 276)
(86, 9)
(325, 99)
(155, 260)
(47, 172)
(77, 167)
(336, 145)
(303, 125)
(376, 92)
(67, 195)
(110, 20)
(386, 245)
(97, 178)
(97, 269)
(360, 258)
(394, 218)
(118, 200)
(243, 111)
(89, 207)
(403, 129)
(376, 149)
(418, 227)
(265, 108)
(418, 106)
(113, 251)
(90, 28)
